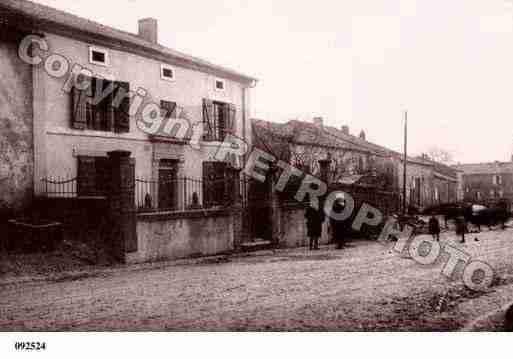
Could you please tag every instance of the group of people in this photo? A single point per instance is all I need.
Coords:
(315, 219)
(339, 228)
(434, 227)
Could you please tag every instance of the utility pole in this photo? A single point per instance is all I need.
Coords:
(405, 159)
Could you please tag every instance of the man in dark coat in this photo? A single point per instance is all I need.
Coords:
(338, 227)
(434, 228)
(461, 227)
(314, 220)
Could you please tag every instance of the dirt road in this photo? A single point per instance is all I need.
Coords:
(364, 287)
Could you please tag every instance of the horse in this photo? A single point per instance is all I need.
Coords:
(488, 216)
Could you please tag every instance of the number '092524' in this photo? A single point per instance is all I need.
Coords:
(36, 346)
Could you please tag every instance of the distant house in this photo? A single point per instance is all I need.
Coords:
(354, 160)
(486, 182)
(52, 128)
(303, 144)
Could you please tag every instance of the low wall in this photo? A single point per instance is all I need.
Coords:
(293, 227)
(169, 235)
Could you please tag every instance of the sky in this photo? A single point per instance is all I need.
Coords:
(360, 63)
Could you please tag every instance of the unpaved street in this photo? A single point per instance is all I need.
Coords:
(364, 287)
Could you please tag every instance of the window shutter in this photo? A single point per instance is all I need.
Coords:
(232, 110)
(168, 109)
(102, 167)
(122, 116)
(79, 106)
(208, 117)
(86, 176)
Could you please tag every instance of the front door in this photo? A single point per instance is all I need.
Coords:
(168, 184)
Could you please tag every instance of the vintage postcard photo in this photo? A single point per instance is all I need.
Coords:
(255, 166)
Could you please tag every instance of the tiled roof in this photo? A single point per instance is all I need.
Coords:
(309, 133)
(41, 16)
(485, 168)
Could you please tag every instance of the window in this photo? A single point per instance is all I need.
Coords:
(218, 120)
(497, 180)
(98, 56)
(167, 73)
(220, 85)
(214, 184)
(168, 109)
(418, 190)
(93, 176)
(102, 106)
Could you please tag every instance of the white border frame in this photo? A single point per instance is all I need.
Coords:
(165, 78)
(99, 49)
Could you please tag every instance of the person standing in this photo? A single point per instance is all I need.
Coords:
(434, 228)
(461, 227)
(338, 227)
(314, 220)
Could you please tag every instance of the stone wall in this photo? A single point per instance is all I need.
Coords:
(293, 232)
(16, 119)
(164, 236)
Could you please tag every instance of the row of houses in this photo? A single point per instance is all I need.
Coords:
(353, 160)
(111, 118)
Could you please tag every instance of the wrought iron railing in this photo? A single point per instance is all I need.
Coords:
(59, 187)
(183, 193)
(164, 194)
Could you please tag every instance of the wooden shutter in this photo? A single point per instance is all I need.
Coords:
(208, 117)
(79, 106)
(103, 175)
(86, 176)
(122, 114)
(231, 113)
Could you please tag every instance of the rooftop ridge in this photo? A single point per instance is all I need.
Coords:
(49, 15)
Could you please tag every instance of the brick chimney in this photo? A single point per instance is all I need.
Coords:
(345, 129)
(148, 30)
(318, 121)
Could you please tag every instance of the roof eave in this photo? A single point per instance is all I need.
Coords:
(146, 49)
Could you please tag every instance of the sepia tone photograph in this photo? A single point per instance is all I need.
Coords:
(255, 166)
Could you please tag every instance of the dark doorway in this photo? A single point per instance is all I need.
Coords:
(168, 184)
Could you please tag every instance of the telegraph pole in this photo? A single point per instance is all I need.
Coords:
(405, 160)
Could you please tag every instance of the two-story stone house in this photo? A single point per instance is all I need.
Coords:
(354, 159)
(54, 126)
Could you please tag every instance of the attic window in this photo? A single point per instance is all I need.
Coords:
(220, 85)
(98, 56)
(167, 73)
